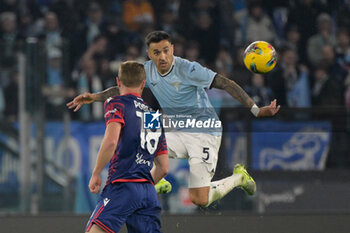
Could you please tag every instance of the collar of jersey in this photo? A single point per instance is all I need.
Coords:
(132, 93)
(171, 68)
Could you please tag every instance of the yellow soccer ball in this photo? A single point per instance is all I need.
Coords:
(260, 57)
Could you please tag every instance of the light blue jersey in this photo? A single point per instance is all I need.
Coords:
(181, 92)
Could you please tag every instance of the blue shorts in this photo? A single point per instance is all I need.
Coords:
(135, 204)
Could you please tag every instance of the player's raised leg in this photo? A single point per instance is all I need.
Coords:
(239, 178)
(204, 196)
(203, 192)
(203, 154)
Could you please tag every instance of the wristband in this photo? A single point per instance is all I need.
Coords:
(255, 110)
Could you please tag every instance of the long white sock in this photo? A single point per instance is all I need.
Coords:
(219, 188)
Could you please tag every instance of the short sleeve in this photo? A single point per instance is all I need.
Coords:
(114, 112)
(199, 75)
(162, 146)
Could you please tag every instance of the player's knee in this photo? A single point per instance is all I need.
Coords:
(198, 200)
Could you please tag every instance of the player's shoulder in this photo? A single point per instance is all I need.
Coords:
(148, 64)
(188, 68)
(185, 64)
(115, 100)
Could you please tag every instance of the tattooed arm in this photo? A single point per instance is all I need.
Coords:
(103, 95)
(239, 94)
(233, 89)
(88, 98)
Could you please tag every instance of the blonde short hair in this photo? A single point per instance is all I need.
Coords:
(132, 73)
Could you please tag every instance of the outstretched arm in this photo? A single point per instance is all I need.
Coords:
(239, 94)
(233, 89)
(107, 149)
(88, 98)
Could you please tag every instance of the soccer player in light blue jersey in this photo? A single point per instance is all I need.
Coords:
(179, 86)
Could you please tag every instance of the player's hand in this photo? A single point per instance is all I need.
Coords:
(163, 186)
(270, 110)
(95, 184)
(80, 100)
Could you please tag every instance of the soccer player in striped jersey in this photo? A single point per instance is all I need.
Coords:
(129, 195)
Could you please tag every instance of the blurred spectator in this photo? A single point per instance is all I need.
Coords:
(290, 83)
(68, 17)
(29, 26)
(7, 66)
(192, 51)
(325, 91)
(186, 18)
(224, 62)
(279, 17)
(223, 66)
(303, 14)
(261, 94)
(347, 92)
(323, 37)
(94, 23)
(92, 27)
(132, 54)
(52, 32)
(88, 81)
(10, 6)
(168, 20)
(117, 38)
(179, 46)
(343, 15)
(258, 25)
(240, 12)
(136, 14)
(207, 35)
(227, 27)
(2, 102)
(106, 74)
(10, 37)
(293, 40)
(11, 97)
(240, 74)
(32, 8)
(209, 6)
(55, 90)
(343, 49)
(97, 50)
(329, 62)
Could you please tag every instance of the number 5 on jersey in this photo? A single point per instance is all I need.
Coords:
(206, 152)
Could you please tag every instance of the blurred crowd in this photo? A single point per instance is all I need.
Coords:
(85, 42)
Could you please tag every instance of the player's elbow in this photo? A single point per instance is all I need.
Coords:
(164, 170)
(111, 142)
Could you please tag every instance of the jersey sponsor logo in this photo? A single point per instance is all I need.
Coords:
(141, 160)
(153, 84)
(105, 201)
(193, 69)
(151, 120)
(176, 85)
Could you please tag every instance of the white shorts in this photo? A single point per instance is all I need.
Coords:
(200, 149)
